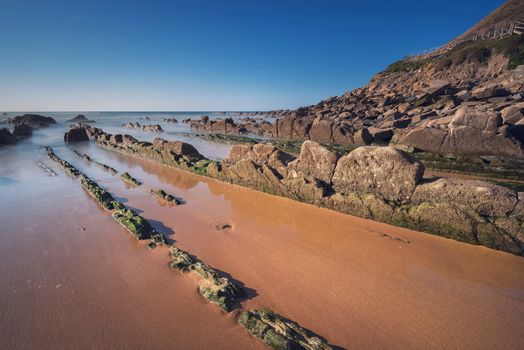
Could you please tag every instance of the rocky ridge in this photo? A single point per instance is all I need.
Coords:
(379, 183)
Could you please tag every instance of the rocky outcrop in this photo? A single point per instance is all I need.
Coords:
(81, 119)
(469, 132)
(164, 196)
(33, 120)
(386, 172)
(126, 177)
(137, 125)
(107, 168)
(76, 135)
(278, 332)
(379, 183)
(218, 290)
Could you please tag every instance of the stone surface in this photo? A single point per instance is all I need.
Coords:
(384, 171)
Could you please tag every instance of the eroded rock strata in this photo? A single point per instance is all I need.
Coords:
(129, 179)
(164, 196)
(278, 332)
(379, 183)
(216, 289)
(149, 127)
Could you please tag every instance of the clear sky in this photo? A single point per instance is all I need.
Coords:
(209, 55)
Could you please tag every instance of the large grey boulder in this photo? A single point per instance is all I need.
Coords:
(386, 172)
(485, 199)
(316, 161)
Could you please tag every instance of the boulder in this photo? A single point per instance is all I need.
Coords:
(483, 198)
(76, 135)
(386, 172)
(33, 120)
(179, 148)
(321, 130)
(381, 135)
(315, 161)
(362, 137)
(486, 92)
(512, 115)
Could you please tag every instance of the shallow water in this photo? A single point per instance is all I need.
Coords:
(70, 277)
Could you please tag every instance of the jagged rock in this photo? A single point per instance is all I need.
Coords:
(384, 171)
(512, 115)
(76, 135)
(179, 148)
(381, 135)
(129, 179)
(107, 168)
(278, 332)
(33, 120)
(216, 289)
(161, 194)
(489, 91)
(363, 137)
(134, 223)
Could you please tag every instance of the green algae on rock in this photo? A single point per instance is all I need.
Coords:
(106, 168)
(129, 179)
(163, 195)
(216, 289)
(278, 332)
(134, 223)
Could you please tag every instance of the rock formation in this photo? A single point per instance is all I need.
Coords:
(81, 119)
(379, 183)
(137, 125)
(33, 120)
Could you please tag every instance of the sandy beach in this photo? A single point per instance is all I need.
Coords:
(70, 275)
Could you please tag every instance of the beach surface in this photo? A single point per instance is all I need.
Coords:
(71, 277)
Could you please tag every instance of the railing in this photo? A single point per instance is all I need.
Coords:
(512, 28)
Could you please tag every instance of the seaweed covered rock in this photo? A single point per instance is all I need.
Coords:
(216, 289)
(70, 169)
(384, 171)
(278, 332)
(163, 195)
(104, 198)
(107, 168)
(134, 223)
(129, 179)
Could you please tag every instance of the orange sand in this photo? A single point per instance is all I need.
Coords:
(354, 281)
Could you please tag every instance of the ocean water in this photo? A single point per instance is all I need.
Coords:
(112, 122)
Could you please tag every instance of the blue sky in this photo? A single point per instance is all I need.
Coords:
(209, 55)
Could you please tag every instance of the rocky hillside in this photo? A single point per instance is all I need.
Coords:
(466, 101)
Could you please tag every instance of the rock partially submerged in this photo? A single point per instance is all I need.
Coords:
(134, 223)
(84, 156)
(137, 125)
(70, 169)
(216, 289)
(6, 137)
(379, 183)
(81, 119)
(76, 135)
(278, 332)
(107, 168)
(33, 120)
(164, 196)
(129, 179)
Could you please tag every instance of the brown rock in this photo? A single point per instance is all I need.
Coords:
(383, 171)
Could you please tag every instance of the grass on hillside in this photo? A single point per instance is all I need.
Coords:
(470, 51)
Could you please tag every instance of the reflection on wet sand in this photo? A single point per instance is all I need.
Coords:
(354, 281)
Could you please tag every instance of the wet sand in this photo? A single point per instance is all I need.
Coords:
(359, 283)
